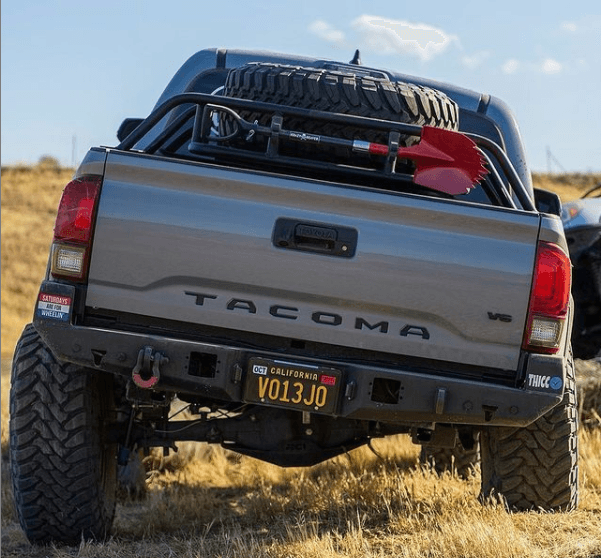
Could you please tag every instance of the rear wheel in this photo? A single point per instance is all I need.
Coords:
(63, 470)
(535, 467)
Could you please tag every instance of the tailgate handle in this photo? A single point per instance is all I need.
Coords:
(320, 238)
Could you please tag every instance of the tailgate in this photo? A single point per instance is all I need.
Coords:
(429, 278)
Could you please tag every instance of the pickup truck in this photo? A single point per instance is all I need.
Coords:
(308, 255)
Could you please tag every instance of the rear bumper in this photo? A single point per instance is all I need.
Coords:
(217, 372)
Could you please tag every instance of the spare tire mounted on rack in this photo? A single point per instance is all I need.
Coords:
(358, 94)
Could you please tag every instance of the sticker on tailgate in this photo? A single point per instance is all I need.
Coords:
(52, 306)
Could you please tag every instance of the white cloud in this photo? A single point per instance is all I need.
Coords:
(550, 66)
(477, 59)
(569, 27)
(389, 36)
(582, 26)
(326, 32)
(511, 66)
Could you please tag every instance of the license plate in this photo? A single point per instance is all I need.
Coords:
(297, 386)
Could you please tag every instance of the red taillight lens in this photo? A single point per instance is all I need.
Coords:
(76, 209)
(549, 299)
(74, 226)
(552, 281)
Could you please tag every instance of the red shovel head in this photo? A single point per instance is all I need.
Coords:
(445, 161)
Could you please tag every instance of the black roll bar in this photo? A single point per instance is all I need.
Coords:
(201, 107)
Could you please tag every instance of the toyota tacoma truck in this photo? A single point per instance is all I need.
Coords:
(308, 255)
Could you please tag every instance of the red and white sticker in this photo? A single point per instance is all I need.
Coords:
(55, 307)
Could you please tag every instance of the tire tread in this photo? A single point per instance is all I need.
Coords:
(340, 92)
(536, 467)
(56, 450)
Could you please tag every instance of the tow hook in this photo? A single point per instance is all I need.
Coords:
(146, 373)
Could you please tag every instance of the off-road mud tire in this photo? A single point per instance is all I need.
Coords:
(535, 467)
(458, 460)
(63, 471)
(341, 92)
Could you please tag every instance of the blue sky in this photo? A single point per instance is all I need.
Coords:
(72, 70)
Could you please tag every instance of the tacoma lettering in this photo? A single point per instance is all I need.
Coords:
(282, 312)
(200, 298)
(238, 304)
(415, 330)
(277, 311)
(382, 326)
(326, 318)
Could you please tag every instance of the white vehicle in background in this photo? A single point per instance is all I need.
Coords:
(582, 225)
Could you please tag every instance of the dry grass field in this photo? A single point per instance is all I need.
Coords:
(206, 502)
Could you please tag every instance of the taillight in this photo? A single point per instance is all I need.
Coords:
(549, 299)
(74, 227)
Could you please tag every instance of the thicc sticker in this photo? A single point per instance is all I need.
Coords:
(55, 307)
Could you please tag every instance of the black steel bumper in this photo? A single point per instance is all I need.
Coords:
(217, 372)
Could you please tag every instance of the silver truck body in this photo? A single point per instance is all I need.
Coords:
(307, 255)
(423, 316)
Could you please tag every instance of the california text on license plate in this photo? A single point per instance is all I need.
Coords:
(297, 386)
